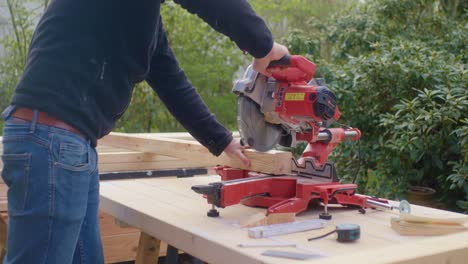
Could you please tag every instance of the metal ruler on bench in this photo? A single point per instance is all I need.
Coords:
(286, 228)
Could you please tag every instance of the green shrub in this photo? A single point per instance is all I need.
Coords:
(398, 68)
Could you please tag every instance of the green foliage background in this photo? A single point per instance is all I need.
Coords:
(212, 61)
(398, 67)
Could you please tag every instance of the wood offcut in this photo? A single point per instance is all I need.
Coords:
(271, 162)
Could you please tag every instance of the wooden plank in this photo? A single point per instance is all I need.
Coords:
(148, 249)
(175, 135)
(119, 244)
(261, 219)
(3, 234)
(131, 156)
(139, 166)
(110, 228)
(3, 193)
(425, 229)
(272, 162)
(120, 247)
(166, 208)
(111, 149)
(137, 160)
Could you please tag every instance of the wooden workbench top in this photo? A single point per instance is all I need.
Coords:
(168, 209)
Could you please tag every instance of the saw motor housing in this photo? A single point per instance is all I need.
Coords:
(294, 107)
(291, 98)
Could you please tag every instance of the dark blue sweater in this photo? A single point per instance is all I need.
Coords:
(86, 56)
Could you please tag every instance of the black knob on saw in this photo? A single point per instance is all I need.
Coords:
(285, 61)
(213, 213)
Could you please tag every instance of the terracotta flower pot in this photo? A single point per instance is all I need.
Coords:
(421, 195)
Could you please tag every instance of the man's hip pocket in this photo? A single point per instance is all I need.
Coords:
(15, 174)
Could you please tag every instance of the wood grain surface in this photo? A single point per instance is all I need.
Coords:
(168, 210)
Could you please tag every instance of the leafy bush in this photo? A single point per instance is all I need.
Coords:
(15, 46)
(214, 61)
(398, 68)
(209, 60)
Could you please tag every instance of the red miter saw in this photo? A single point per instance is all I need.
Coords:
(288, 108)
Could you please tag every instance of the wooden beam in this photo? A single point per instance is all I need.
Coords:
(148, 249)
(132, 156)
(143, 166)
(3, 234)
(175, 135)
(272, 162)
(112, 157)
(260, 219)
(120, 248)
(142, 158)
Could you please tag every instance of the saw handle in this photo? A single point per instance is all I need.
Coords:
(285, 61)
(292, 68)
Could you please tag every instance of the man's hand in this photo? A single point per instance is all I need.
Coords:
(235, 150)
(277, 52)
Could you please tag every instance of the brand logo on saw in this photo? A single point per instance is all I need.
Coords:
(294, 97)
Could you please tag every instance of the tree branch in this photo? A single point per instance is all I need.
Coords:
(15, 27)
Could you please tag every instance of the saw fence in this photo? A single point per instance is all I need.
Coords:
(142, 209)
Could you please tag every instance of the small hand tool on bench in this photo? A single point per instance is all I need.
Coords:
(346, 233)
(286, 228)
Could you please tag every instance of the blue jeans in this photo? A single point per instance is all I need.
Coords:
(53, 195)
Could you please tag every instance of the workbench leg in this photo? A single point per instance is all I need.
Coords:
(172, 255)
(3, 236)
(148, 249)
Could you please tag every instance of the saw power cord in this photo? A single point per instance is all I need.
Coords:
(359, 162)
(359, 152)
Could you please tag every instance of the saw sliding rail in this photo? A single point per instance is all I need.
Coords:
(325, 136)
(284, 194)
(222, 194)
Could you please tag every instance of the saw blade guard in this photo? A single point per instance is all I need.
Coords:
(253, 128)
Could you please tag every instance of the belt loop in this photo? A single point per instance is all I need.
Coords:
(8, 112)
(32, 128)
(88, 146)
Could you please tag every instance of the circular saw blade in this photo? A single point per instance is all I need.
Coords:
(253, 129)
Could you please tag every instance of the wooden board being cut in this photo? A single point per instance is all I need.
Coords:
(117, 159)
(272, 162)
(167, 209)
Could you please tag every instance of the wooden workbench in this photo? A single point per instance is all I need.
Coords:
(167, 209)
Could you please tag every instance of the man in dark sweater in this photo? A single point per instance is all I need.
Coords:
(84, 60)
